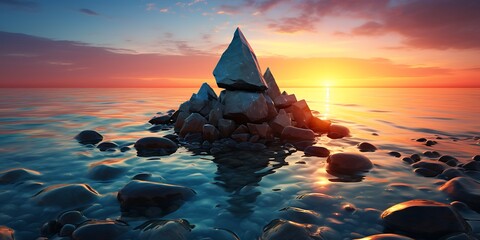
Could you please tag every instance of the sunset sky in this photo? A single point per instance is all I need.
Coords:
(370, 43)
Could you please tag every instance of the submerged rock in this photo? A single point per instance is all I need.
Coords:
(280, 229)
(155, 146)
(273, 91)
(71, 217)
(16, 175)
(104, 146)
(320, 126)
(295, 133)
(366, 147)
(66, 195)
(162, 119)
(143, 198)
(424, 218)
(178, 229)
(6, 233)
(100, 230)
(214, 234)
(338, 131)
(463, 189)
(242, 106)
(348, 163)
(300, 215)
(434, 166)
(104, 172)
(238, 68)
(89, 137)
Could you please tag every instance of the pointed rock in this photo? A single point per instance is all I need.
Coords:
(273, 91)
(301, 113)
(206, 92)
(238, 68)
(193, 124)
(284, 100)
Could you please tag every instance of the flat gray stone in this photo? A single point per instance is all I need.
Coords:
(238, 67)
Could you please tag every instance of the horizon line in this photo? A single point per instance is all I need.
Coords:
(38, 87)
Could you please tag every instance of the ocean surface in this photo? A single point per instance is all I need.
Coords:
(37, 129)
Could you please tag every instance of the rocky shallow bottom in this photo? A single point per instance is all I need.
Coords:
(422, 184)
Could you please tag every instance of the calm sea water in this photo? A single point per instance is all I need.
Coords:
(37, 127)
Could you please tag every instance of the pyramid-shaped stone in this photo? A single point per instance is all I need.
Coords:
(238, 67)
(273, 90)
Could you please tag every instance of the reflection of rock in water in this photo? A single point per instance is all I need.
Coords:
(239, 172)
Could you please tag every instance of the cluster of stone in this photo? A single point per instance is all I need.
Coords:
(251, 107)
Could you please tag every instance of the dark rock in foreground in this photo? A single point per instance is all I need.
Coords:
(386, 236)
(238, 68)
(89, 137)
(316, 151)
(104, 146)
(463, 189)
(424, 218)
(143, 198)
(177, 229)
(348, 163)
(155, 146)
(295, 133)
(338, 131)
(17, 174)
(100, 230)
(66, 195)
(280, 229)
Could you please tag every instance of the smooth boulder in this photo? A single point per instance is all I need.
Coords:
(316, 151)
(338, 131)
(100, 230)
(238, 67)
(463, 189)
(144, 198)
(177, 229)
(366, 147)
(348, 163)
(424, 218)
(16, 175)
(89, 137)
(155, 146)
(66, 195)
(295, 133)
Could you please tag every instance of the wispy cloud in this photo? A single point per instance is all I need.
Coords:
(150, 6)
(88, 12)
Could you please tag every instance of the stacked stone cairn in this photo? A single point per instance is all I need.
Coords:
(251, 109)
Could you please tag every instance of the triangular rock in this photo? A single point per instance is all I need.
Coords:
(238, 67)
(206, 92)
(273, 91)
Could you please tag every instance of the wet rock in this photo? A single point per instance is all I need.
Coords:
(284, 101)
(295, 133)
(348, 163)
(476, 158)
(302, 145)
(301, 113)
(100, 230)
(6, 233)
(66, 195)
(430, 143)
(50, 228)
(71, 217)
(300, 215)
(280, 229)
(431, 154)
(242, 106)
(67, 230)
(366, 147)
(155, 146)
(103, 172)
(104, 146)
(173, 137)
(316, 151)
(425, 172)
(424, 218)
(451, 173)
(273, 91)
(396, 154)
(463, 189)
(178, 229)
(319, 126)
(241, 137)
(421, 140)
(163, 119)
(435, 166)
(281, 121)
(226, 127)
(415, 157)
(408, 160)
(210, 132)
(386, 236)
(449, 160)
(143, 198)
(216, 113)
(142, 176)
(238, 68)
(214, 234)
(338, 131)
(241, 129)
(16, 175)
(472, 165)
(180, 121)
(194, 138)
(193, 124)
(89, 137)
(206, 93)
(262, 130)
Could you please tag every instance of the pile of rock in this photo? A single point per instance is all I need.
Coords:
(250, 109)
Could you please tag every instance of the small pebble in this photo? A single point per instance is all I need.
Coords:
(421, 140)
(395, 154)
(300, 162)
(408, 160)
(430, 143)
(415, 157)
(366, 147)
(431, 154)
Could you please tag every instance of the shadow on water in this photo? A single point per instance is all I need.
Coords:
(240, 172)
